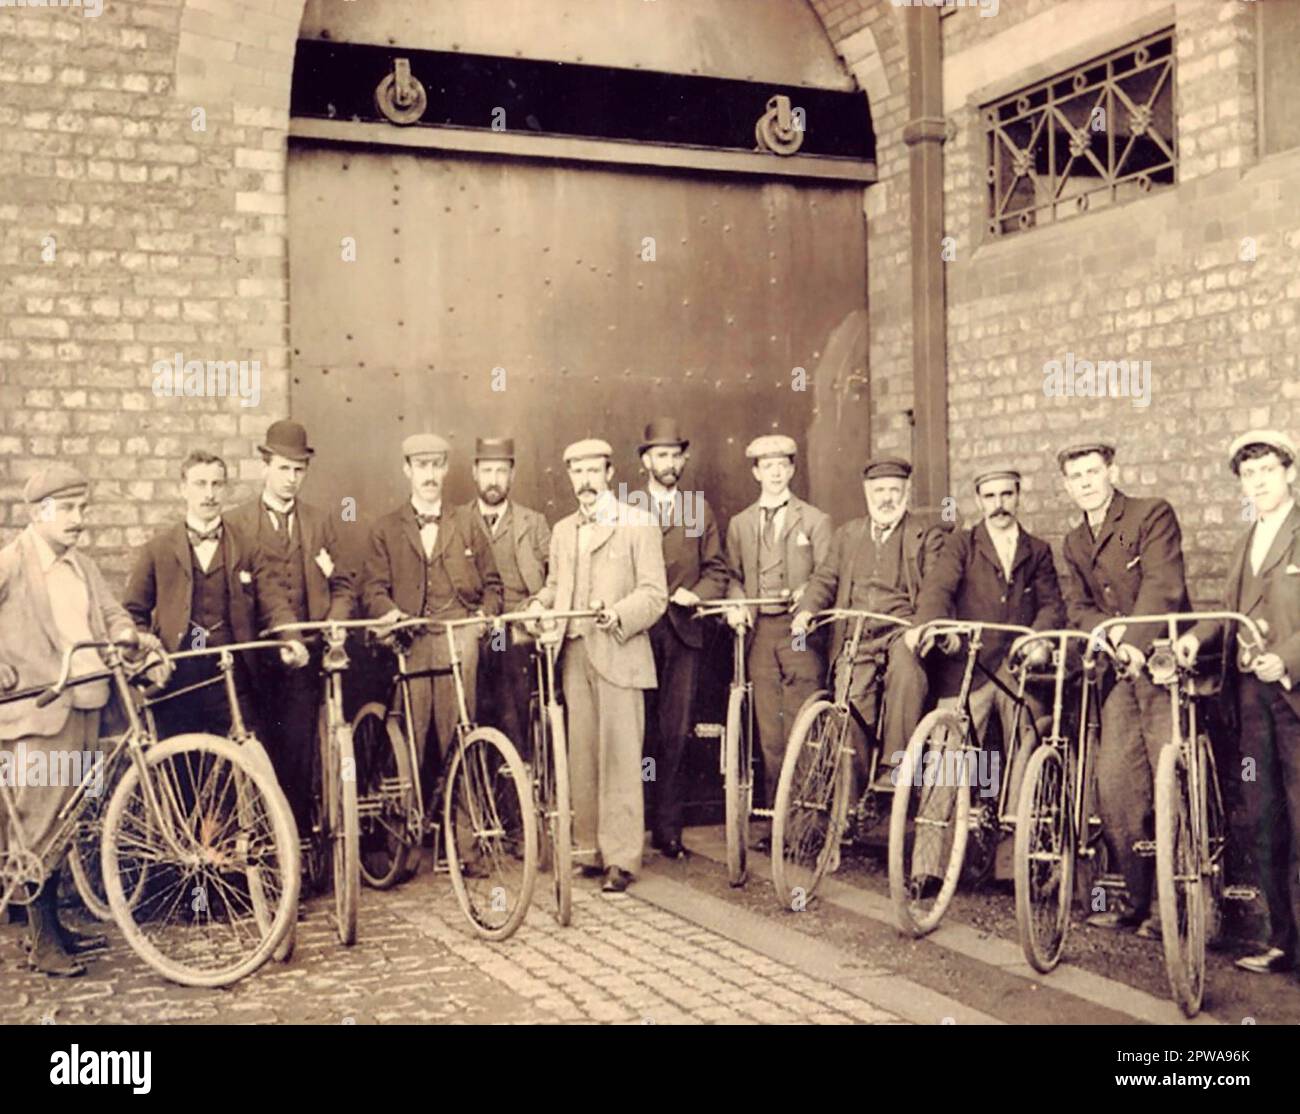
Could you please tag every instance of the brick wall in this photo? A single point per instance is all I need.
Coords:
(1166, 278)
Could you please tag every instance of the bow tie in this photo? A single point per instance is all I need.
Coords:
(427, 519)
(198, 537)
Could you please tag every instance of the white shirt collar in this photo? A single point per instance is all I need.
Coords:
(271, 502)
(1101, 513)
(202, 527)
(499, 510)
(421, 507)
(767, 502)
(1275, 519)
(659, 493)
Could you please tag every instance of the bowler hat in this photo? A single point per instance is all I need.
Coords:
(289, 440)
(662, 432)
(494, 448)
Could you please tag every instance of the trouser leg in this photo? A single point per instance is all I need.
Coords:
(620, 821)
(581, 714)
(906, 687)
(765, 676)
(676, 666)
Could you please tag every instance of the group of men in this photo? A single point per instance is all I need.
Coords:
(629, 672)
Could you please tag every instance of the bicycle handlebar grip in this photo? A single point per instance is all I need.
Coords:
(48, 697)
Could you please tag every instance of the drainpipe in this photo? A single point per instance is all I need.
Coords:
(924, 134)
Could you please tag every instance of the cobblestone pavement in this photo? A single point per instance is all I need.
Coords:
(417, 961)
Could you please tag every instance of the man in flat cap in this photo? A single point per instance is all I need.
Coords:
(298, 576)
(696, 569)
(995, 572)
(1124, 558)
(877, 563)
(1264, 583)
(611, 555)
(51, 596)
(430, 560)
(774, 545)
(520, 538)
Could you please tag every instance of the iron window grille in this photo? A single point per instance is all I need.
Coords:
(1098, 135)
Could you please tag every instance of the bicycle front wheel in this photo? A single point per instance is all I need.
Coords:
(345, 833)
(929, 822)
(1179, 881)
(490, 828)
(811, 803)
(222, 889)
(558, 820)
(385, 795)
(737, 777)
(1044, 854)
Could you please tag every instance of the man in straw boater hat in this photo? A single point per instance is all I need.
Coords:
(610, 555)
(297, 576)
(51, 597)
(696, 569)
(1124, 558)
(774, 545)
(1264, 583)
(520, 538)
(431, 560)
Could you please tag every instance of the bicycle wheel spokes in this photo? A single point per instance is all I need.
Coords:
(213, 906)
(808, 815)
(929, 822)
(1044, 858)
(491, 833)
(385, 796)
(1179, 881)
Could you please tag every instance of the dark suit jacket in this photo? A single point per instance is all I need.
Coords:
(697, 564)
(161, 587)
(805, 536)
(395, 575)
(831, 583)
(328, 596)
(967, 582)
(531, 535)
(1276, 599)
(1135, 567)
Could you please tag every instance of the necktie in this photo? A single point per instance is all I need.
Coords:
(198, 537)
(877, 533)
(490, 520)
(427, 519)
(769, 522)
(280, 518)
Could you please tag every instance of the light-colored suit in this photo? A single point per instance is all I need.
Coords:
(30, 642)
(605, 673)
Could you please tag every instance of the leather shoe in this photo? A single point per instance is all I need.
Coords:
(616, 881)
(1266, 962)
(673, 849)
(78, 943)
(1149, 929)
(587, 870)
(1112, 921)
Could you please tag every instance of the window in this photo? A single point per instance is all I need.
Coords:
(1097, 135)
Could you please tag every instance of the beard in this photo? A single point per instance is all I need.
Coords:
(492, 495)
(666, 477)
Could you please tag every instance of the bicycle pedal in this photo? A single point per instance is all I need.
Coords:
(1144, 847)
(1241, 893)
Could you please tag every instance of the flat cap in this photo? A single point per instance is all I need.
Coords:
(997, 473)
(494, 448)
(887, 467)
(1082, 448)
(1270, 437)
(54, 480)
(592, 446)
(771, 444)
(420, 443)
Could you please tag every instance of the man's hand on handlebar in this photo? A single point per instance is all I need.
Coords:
(1269, 668)
(739, 617)
(1130, 658)
(1186, 647)
(294, 654)
(801, 622)
(1037, 654)
(8, 677)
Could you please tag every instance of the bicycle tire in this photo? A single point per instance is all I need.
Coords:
(913, 919)
(560, 822)
(485, 766)
(1044, 839)
(737, 788)
(809, 814)
(345, 835)
(1179, 883)
(385, 795)
(250, 779)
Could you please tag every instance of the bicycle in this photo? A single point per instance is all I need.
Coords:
(736, 759)
(1057, 831)
(1191, 826)
(811, 810)
(197, 826)
(932, 807)
(333, 845)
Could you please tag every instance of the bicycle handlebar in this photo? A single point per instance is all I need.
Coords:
(321, 625)
(836, 614)
(51, 693)
(231, 648)
(1062, 636)
(970, 626)
(721, 607)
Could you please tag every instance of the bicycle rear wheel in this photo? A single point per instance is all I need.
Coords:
(1044, 858)
(222, 889)
(1179, 881)
(490, 828)
(345, 833)
(738, 781)
(84, 860)
(385, 795)
(812, 797)
(929, 822)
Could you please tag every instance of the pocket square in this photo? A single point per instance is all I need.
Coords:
(802, 539)
(325, 563)
(1293, 570)
(1134, 561)
(245, 577)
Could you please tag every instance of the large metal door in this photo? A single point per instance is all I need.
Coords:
(552, 302)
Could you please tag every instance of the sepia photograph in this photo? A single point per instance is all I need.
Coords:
(622, 513)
